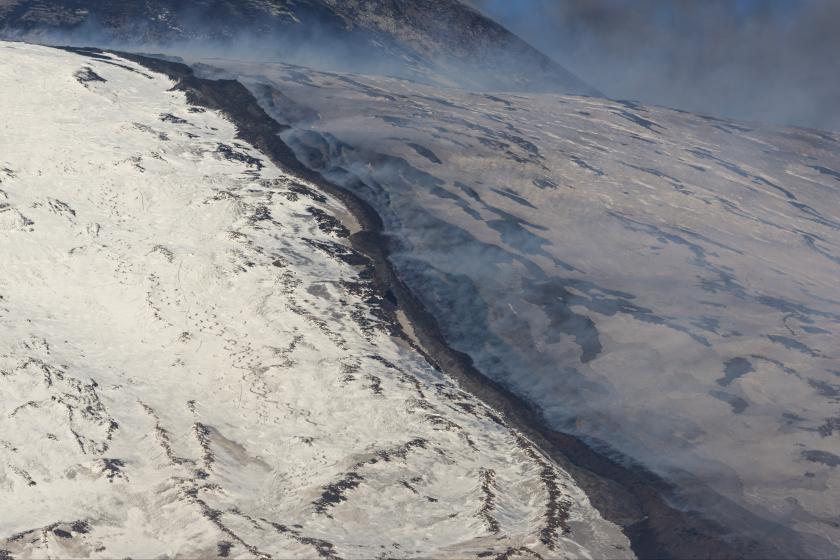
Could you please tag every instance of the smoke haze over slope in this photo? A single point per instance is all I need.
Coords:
(446, 42)
(765, 60)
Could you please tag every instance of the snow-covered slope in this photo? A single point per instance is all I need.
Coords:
(661, 281)
(193, 361)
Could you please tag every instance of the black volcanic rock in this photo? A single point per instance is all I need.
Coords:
(440, 41)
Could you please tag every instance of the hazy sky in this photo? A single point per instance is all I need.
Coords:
(772, 60)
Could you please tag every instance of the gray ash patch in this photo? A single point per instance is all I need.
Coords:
(323, 548)
(223, 549)
(261, 214)
(826, 171)
(726, 126)
(579, 161)
(162, 136)
(734, 369)
(59, 207)
(738, 404)
(349, 256)
(824, 388)
(425, 152)
(232, 154)
(328, 223)
(641, 121)
(87, 76)
(793, 344)
(170, 118)
(112, 468)
(80, 527)
(544, 183)
(822, 457)
(515, 197)
(296, 189)
(829, 427)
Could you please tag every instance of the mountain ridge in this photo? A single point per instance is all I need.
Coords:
(446, 42)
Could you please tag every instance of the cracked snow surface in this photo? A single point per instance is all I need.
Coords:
(662, 281)
(187, 368)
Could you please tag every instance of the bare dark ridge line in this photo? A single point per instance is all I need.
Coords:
(623, 492)
(487, 482)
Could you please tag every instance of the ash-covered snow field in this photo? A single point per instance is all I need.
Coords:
(662, 282)
(194, 363)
